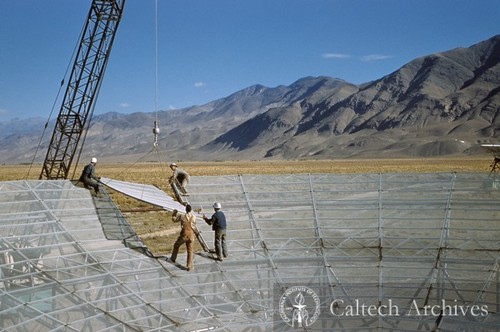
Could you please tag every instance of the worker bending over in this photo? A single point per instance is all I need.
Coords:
(89, 177)
(179, 176)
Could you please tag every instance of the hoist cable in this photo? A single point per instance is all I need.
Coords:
(156, 129)
(156, 61)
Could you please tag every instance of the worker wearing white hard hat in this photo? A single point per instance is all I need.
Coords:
(89, 177)
(219, 225)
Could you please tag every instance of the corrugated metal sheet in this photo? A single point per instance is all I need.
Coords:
(144, 192)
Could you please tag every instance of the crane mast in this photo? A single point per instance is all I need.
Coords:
(83, 87)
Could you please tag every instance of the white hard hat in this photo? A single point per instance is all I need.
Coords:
(93, 160)
(173, 164)
(217, 205)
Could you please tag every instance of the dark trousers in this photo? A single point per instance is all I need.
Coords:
(220, 243)
(91, 183)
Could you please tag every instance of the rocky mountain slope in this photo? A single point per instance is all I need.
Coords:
(436, 105)
(439, 104)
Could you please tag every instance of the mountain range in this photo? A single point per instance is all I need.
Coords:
(441, 104)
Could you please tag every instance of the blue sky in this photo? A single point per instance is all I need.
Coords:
(209, 49)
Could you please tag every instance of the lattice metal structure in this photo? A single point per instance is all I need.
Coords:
(83, 87)
(411, 240)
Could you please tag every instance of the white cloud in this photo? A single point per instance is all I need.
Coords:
(335, 56)
(3, 112)
(199, 84)
(375, 57)
(124, 105)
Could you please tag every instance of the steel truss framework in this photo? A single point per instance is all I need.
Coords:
(83, 87)
(411, 239)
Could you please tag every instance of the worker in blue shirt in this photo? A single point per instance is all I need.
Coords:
(219, 225)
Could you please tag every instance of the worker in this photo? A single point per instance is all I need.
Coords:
(187, 235)
(89, 177)
(219, 225)
(179, 176)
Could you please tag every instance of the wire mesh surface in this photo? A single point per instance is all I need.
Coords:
(399, 242)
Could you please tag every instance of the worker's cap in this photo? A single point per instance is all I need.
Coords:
(93, 160)
(173, 165)
(217, 205)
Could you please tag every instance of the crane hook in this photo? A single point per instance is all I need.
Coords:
(156, 132)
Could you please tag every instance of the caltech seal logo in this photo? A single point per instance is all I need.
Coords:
(299, 306)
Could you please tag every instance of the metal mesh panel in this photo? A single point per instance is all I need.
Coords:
(408, 240)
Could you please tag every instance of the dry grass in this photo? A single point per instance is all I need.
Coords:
(294, 167)
(155, 227)
(156, 173)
